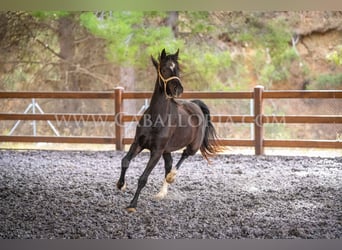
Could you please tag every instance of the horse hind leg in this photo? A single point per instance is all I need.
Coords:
(168, 165)
(171, 176)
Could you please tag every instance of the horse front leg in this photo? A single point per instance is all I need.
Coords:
(133, 151)
(168, 165)
(155, 156)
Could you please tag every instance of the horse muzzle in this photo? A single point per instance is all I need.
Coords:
(174, 88)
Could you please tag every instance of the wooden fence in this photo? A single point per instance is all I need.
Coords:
(119, 117)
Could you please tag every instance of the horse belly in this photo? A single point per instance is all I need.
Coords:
(182, 137)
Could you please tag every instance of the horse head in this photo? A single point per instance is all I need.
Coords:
(168, 74)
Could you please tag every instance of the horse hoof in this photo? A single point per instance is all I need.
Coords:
(131, 209)
(160, 196)
(170, 178)
(121, 187)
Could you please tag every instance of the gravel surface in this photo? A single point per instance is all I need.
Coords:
(72, 194)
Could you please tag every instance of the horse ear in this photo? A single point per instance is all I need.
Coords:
(163, 54)
(176, 54)
(154, 61)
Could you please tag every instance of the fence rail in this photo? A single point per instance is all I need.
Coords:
(258, 119)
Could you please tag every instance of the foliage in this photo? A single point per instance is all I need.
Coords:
(273, 55)
(205, 63)
(20, 55)
(196, 22)
(132, 36)
(278, 131)
(336, 56)
(49, 15)
(277, 127)
(327, 81)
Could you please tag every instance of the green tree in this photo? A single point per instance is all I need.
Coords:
(270, 39)
(132, 36)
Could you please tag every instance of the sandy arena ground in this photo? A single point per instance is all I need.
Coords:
(72, 194)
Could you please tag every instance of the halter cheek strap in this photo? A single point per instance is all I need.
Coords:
(165, 81)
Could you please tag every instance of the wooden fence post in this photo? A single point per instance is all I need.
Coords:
(119, 125)
(258, 122)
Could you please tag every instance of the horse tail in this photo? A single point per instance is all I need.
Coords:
(210, 145)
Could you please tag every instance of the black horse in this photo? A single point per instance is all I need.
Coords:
(169, 125)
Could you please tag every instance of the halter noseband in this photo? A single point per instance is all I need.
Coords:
(165, 81)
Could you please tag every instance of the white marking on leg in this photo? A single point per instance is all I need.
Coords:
(123, 189)
(170, 178)
(163, 191)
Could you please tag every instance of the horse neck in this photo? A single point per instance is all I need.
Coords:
(160, 105)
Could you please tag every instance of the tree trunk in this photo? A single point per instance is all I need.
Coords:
(172, 21)
(67, 53)
(67, 67)
(3, 31)
(68, 70)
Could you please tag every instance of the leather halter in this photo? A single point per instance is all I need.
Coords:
(165, 81)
